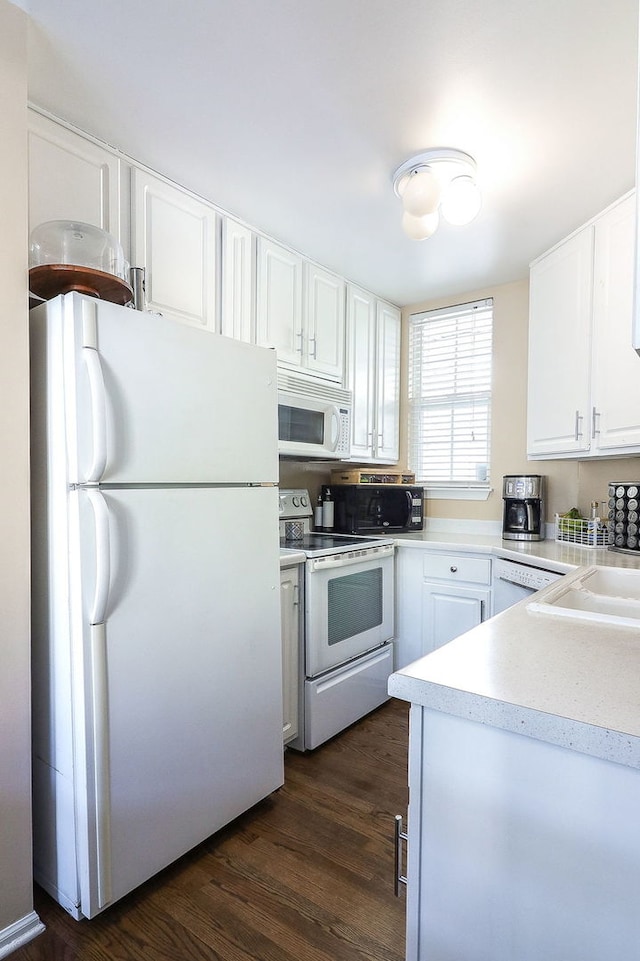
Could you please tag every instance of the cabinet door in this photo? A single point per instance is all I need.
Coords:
(174, 239)
(387, 421)
(279, 301)
(290, 621)
(324, 322)
(71, 178)
(237, 281)
(361, 347)
(558, 414)
(448, 612)
(615, 409)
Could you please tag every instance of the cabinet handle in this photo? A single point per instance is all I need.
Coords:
(578, 431)
(453, 569)
(399, 837)
(594, 416)
(296, 595)
(314, 351)
(299, 336)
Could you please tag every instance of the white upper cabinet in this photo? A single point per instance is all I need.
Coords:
(72, 178)
(174, 238)
(300, 311)
(560, 348)
(323, 322)
(279, 301)
(615, 412)
(387, 441)
(584, 376)
(238, 281)
(373, 376)
(361, 370)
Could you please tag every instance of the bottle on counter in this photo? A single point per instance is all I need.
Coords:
(317, 517)
(327, 510)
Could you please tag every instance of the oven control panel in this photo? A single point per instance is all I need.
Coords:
(294, 504)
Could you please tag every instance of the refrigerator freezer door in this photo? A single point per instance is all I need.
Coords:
(149, 400)
(181, 681)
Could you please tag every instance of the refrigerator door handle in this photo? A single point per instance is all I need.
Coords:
(99, 699)
(103, 557)
(101, 765)
(98, 413)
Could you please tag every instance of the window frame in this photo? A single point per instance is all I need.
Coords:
(449, 488)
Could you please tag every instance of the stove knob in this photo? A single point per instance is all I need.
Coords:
(303, 501)
(295, 501)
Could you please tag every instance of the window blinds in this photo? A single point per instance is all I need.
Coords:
(450, 395)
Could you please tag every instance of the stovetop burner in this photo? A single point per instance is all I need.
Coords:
(319, 541)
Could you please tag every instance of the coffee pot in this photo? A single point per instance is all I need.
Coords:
(523, 514)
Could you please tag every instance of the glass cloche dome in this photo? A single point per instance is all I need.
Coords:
(66, 255)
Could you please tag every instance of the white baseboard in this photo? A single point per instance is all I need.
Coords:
(19, 933)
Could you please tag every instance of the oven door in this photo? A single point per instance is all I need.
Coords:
(349, 607)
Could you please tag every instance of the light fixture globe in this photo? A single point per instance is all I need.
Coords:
(438, 180)
(421, 194)
(420, 228)
(461, 201)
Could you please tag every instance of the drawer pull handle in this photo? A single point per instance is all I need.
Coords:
(453, 568)
(399, 837)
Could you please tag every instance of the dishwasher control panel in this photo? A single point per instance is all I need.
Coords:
(531, 577)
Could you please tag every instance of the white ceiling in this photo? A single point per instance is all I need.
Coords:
(293, 115)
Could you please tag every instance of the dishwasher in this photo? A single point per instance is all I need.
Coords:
(512, 581)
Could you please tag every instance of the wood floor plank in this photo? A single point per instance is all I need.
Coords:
(307, 875)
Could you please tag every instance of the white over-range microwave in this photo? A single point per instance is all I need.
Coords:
(314, 418)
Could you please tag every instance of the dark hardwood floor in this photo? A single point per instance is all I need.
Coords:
(307, 875)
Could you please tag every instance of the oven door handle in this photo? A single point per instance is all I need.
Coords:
(344, 560)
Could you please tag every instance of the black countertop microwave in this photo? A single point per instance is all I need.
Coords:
(377, 509)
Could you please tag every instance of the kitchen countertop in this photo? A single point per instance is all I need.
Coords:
(289, 558)
(549, 554)
(569, 682)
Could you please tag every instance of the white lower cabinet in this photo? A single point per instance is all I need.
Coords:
(439, 596)
(174, 237)
(517, 849)
(291, 621)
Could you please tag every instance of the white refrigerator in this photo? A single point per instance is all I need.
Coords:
(157, 697)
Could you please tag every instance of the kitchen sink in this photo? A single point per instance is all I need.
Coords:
(607, 594)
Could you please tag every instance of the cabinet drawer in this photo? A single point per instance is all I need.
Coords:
(458, 567)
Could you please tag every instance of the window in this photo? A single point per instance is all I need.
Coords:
(450, 399)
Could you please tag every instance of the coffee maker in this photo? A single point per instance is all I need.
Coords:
(523, 515)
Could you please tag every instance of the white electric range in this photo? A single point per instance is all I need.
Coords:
(349, 621)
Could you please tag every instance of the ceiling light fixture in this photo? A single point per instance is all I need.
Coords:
(434, 183)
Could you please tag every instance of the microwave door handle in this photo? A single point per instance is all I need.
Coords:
(334, 414)
(409, 496)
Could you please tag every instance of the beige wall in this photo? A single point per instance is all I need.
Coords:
(15, 747)
(569, 483)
